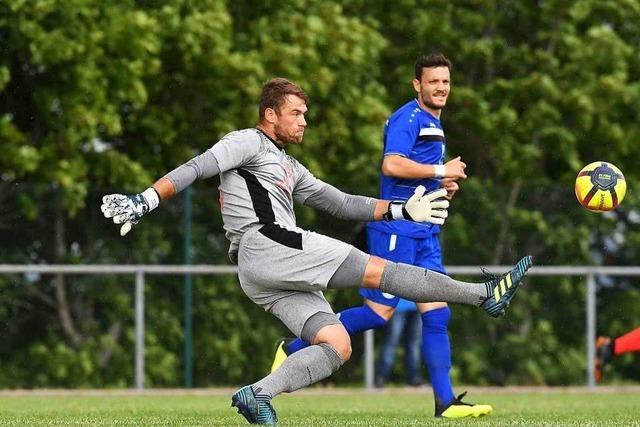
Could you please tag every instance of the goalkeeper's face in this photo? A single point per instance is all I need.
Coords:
(290, 122)
(433, 87)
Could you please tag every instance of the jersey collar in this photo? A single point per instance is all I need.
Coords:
(425, 111)
(278, 146)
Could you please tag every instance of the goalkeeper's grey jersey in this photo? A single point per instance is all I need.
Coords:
(258, 184)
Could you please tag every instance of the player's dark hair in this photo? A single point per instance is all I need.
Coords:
(431, 60)
(274, 93)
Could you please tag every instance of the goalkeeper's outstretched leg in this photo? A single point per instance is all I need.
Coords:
(421, 285)
(494, 294)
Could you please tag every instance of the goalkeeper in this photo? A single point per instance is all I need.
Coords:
(284, 268)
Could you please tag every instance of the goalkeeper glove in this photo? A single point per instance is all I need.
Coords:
(129, 209)
(420, 207)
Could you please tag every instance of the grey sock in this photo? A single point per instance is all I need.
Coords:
(301, 369)
(421, 285)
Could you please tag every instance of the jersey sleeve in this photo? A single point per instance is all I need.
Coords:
(400, 137)
(306, 184)
(236, 149)
(317, 194)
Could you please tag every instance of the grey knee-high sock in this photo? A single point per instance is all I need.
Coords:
(301, 369)
(421, 285)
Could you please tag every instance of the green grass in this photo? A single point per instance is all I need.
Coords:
(318, 407)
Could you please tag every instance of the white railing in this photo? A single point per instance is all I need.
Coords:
(139, 272)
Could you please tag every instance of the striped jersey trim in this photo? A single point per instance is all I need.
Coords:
(264, 211)
(259, 198)
(431, 132)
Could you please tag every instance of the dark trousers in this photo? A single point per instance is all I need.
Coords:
(405, 325)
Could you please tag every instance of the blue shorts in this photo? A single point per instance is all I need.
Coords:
(422, 252)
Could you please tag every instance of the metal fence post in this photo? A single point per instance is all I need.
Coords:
(139, 301)
(188, 329)
(369, 370)
(591, 329)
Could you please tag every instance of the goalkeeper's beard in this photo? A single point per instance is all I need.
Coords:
(285, 138)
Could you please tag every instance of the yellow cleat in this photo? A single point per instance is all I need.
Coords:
(460, 409)
(280, 355)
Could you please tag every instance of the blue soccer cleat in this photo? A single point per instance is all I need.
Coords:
(256, 408)
(502, 288)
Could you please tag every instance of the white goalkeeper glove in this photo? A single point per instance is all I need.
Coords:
(420, 207)
(129, 209)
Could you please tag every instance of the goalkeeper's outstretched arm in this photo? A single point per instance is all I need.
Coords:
(129, 209)
(419, 208)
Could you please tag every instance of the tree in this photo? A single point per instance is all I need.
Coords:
(539, 90)
(97, 97)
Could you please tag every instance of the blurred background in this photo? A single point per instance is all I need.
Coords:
(102, 96)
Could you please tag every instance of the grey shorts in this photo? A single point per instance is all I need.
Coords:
(287, 281)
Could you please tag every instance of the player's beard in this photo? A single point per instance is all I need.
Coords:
(428, 103)
(287, 138)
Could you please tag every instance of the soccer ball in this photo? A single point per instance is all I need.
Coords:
(600, 187)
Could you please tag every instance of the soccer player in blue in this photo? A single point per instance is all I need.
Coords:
(414, 153)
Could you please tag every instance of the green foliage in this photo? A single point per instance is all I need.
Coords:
(97, 97)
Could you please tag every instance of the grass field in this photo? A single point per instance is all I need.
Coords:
(319, 407)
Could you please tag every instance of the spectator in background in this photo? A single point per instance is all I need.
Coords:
(607, 348)
(405, 324)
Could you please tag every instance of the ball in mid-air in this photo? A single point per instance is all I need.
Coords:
(600, 186)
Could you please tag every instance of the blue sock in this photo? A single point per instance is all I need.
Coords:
(354, 319)
(361, 318)
(295, 345)
(436, 352)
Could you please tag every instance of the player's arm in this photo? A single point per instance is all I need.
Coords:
(232, 151)
(398, 166)
(450, 185)
(399, 143)
(420, 207)
(129, 209)
(401, 167)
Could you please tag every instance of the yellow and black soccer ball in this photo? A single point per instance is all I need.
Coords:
(600, 187)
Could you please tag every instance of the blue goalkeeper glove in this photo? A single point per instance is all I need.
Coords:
(420, 207)
(129, 209)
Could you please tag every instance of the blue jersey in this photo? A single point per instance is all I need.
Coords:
(413, 133)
